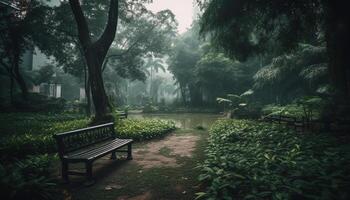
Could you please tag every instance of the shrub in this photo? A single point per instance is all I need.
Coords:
(251, 160)
(28, 179)
(143, 129)
(32, 134)
(35, 137)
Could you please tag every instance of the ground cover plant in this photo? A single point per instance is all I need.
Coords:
(30, 178)
(143, 129)
(25, 171)
(27, 134)
(251, 160)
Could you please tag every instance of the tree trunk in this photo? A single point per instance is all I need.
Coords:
(95, 53)
(338, 44)
(87, 93)
(18, 76)
(11, 91)
(98, 92)
(16, 62)
(195, 95)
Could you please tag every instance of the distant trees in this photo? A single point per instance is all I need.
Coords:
(13, 43)
(182, 64)
(204, 73)
(245, 27)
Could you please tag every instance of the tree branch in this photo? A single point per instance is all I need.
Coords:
(108, 34)
(132, 46)
(83, 29)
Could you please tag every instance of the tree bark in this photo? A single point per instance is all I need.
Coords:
(338, 44)
(18, 76)
(95, 53)
(15, 58)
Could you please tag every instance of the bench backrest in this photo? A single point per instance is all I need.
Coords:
(122, 114)
(287, 118)
(78, 139)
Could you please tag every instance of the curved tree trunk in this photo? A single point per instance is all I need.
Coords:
(95, 53)
(98, 92)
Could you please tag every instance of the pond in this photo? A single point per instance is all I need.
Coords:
(183, 120)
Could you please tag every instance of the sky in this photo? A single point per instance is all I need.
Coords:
(183, 10)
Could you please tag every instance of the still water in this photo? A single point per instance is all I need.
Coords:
(183, 120)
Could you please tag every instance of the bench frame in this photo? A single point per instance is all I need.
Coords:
(290, 121)
(72, 141)
(122, 114)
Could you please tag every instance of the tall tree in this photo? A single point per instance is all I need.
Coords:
(139, 31)
(95, 53)
(13, 42)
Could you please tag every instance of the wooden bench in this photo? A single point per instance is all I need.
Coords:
(290, 121)
(88, 144)
(122, 114)
(280, 119)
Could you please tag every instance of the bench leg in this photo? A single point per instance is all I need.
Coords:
(129, 152)
(65, 171)
(88, 166)
(113, 156)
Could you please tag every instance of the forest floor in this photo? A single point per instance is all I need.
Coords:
(164, 168)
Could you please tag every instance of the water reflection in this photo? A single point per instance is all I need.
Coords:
(183, 120)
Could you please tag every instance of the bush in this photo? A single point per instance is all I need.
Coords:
(28, 179)
(143, 129)
(32, 123)
(33, 135)
(251, 160)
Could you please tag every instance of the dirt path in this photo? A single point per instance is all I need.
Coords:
(161, 169)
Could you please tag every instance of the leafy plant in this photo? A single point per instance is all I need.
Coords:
(241, 105)
(143, 129)
(251, 160)
(28, 179)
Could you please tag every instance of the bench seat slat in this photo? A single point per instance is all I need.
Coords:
(97, 151)
(92, 149)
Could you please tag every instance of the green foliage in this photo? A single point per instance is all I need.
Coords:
(27, 133)
(219, 74)
(44, 74)
(291, 110)
(308, 107)
(204, 73)
(311, 105)
(251, 160)
(28, 179)
(241, 106)
(293, 75)
(143, 129)
(31, 134)
(245, 27)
